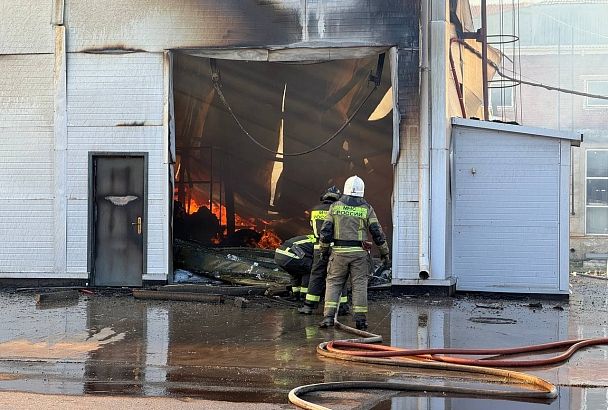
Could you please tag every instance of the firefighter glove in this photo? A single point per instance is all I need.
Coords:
(384, 252)
(325, 251)
(386, 262)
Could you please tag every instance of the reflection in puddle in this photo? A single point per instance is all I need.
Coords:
(72, 347)
(569, 399)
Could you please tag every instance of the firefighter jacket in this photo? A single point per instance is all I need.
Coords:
(318, 215)
(348, 222)
(296, 253)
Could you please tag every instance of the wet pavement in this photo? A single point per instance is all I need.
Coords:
(116, 345)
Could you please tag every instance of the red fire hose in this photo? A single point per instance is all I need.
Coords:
(361, 350)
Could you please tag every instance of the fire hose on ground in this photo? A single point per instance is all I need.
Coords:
(362, 350)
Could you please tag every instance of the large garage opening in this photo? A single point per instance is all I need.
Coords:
(232, 186)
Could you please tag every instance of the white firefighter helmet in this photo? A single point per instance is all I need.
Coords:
(354, 186)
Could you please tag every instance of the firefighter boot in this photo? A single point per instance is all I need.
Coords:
(294, 297)
(328, 321)
(307, 308)
(360, 321)
(343, 310)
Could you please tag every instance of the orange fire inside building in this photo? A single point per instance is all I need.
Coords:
(266, 238)
(221, 214)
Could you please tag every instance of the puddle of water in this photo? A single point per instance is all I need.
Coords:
(569, 399)
(118, 345)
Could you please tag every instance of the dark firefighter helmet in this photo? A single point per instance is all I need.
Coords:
(332, 194)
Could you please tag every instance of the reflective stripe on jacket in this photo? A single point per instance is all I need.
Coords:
(350, 219)
(318, 215)
(295, 249)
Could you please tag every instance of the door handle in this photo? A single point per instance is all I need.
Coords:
(138, 223)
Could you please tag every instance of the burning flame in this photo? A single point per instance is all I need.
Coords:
(217, 210)
(269, 240)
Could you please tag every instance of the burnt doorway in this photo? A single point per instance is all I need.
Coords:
(117, 220)
(230, 192)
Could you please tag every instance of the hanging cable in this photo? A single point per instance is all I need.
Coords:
(533, 84)
(216, 79)
(521, 109)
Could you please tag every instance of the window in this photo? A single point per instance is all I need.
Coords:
(597, 192)
(501, 98)
(599, 87)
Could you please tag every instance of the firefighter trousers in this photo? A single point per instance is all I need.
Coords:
(299, 277)
(316, 283)
(341, 264)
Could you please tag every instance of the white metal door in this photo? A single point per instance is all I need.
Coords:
(506, 226)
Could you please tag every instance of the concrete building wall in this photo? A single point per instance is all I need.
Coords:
(584, 246)
(563, 44)
(568, 68)
(550, 109)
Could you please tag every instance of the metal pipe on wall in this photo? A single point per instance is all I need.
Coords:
(484, 59)
(423, 156)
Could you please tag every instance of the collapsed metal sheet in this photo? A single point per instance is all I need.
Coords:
(227, 266)
(290, 108)
(303, 54)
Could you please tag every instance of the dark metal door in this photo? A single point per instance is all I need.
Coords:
(118, 204)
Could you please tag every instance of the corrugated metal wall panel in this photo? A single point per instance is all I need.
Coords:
(77, 235)
(26, 27)
(111, 90)
(506, 211)
(26, 164)
(27, 235)
(115, 104)
(156, 25)
(82, 140)
(157, 233)
(26, 91)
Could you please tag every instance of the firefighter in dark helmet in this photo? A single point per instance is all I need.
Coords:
(347, 225)
(316, 283)
(295, 257)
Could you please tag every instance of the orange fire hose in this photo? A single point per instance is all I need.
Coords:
(534, 388)
(367, 350)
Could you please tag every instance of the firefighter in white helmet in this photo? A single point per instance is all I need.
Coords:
(347, 225)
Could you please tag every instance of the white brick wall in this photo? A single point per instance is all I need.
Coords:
(26, 27)
(406, 243)
(26, 164)
(105, 91)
